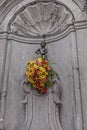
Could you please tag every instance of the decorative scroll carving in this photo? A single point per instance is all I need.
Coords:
(42, 110)
(41, 18)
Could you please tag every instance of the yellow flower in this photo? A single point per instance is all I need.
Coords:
(42, 77)
(31, 62)
(42, 84)
(39, 59)
(42, 69)
(45, 73)
(35, 66)
(30, 80)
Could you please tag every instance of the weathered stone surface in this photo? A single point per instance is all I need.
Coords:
(80, 3)
(68, 50)
(2, 60)
(82, 54)
(2, 65)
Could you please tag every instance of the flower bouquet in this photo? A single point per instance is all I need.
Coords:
(39, 74)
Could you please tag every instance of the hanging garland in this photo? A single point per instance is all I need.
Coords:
(39, 72)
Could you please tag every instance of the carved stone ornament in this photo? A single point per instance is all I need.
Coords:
(42, 111)
(41, 18)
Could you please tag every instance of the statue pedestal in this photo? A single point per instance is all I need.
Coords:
(42, 110)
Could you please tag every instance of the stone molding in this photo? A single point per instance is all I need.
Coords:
(34, 40)
(80, 25)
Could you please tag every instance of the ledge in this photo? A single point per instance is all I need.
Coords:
(36, 40)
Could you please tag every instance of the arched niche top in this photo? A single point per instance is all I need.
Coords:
(42, 17)
(8, 8)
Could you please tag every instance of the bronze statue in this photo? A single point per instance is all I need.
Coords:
(43, 50)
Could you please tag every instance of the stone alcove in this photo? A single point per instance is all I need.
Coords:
(25, 31)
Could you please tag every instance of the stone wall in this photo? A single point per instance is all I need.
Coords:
(66, 46)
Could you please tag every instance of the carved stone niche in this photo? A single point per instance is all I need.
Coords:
(40, 112)
(42, 18)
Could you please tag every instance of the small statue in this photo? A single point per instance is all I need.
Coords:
(43, 50)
